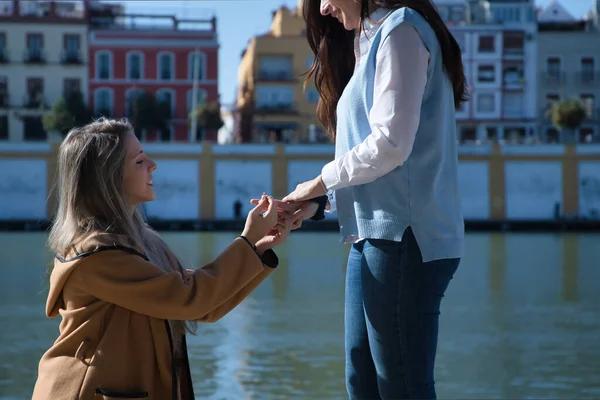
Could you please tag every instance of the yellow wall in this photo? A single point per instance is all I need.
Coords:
(284, 38)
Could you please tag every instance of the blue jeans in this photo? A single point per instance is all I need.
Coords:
(391, 319)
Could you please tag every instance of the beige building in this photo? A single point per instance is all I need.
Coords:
(272, 104)
(569, 66)
(43, 53)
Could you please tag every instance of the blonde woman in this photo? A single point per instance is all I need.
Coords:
(125, 301)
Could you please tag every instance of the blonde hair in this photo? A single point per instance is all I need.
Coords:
(91, 198)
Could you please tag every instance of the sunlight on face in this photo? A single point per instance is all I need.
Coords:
(137, 172)
(347, 12)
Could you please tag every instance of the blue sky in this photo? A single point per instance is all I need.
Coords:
(239, 20)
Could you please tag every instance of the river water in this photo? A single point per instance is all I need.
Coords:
(521, 319)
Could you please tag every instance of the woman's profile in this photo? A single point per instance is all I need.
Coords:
(125, 300)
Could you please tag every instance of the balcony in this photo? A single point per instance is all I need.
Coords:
(554, 78)
(275, 76)
(4, 56)
(34, 100)
(277, 108)
(588, 77)
(71, 57)
(31, 56)
(514, 51)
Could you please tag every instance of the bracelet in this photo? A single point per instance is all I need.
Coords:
(250, 244)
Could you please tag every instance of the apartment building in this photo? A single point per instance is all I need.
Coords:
(43, 53)
(498, 44)
(569, 67)
(134, 54)
(271, 104)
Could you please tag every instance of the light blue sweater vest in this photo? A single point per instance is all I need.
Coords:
(423, 192)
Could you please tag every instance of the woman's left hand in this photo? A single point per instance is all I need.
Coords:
(307, 190)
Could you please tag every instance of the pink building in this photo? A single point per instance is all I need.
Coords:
(152, 54)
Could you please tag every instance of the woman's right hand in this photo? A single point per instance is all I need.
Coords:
(261, 219)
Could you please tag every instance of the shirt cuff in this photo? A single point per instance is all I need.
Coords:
(329, 176)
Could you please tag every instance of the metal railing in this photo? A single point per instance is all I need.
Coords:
(71, 57)
(34, 100)
(279, 108)
(556, 78)
(31, 56)
(274, 76)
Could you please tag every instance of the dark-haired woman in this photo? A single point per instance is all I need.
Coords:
(390, 77)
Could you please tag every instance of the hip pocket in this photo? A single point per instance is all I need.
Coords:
(108, 395)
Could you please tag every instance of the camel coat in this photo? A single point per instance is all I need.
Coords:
(115, 340)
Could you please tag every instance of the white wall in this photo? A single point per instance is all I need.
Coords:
(176, 184)
(240, 180)
(532, 189)
(589, 189)
(474, 186)
(23, 188)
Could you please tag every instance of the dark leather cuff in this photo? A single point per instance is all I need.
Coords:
(270, 259)
(322, 202)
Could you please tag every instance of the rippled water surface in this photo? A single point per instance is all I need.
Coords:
(521, 319)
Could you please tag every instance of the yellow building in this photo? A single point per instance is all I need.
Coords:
(272, 105)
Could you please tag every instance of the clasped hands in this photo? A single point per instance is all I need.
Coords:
(294, 208)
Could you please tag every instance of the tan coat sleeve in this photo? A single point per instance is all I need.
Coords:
(129, 281)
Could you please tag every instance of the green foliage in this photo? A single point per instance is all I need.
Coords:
(208, 116)
(568, 114)
(68, 112)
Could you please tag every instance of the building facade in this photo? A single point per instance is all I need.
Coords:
(133, 54)
(569, 67)
(272, 105)
(43, 54)
(497, 40)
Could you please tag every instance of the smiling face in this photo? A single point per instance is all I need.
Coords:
(347, 12)
(137, 172)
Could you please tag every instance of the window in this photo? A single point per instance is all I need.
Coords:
(3, 92)
(35, 91)
(486, 103)
(200, 67)
(274, 97)
(165, 66)
(588, 102)
(3, 127)
(513, 74)
(312, 96)
(131, 96)
(167, 96)
(514, 44)
(587, 69)
(166, 135)
(71, 85)
(551, 98)
(486, 73)
(71, 48)
(513, 104)
(35, 44)
(487, 44)
(3, 55)
(134, 66)
(201, 98)
(553, 68)
(104, 65)
(103, 102)
(275, 68)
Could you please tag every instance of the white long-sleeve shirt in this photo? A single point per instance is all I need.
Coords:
(400, 79)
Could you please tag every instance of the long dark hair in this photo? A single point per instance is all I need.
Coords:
(333, 47)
